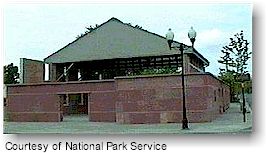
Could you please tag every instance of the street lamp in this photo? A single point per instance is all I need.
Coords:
(192, 35)
(169, 37)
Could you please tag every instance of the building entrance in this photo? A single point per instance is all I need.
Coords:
(74, 103)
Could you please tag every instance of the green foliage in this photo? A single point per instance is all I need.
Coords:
(230, 79)
(152, 71)
(89, 29)
(235, 55)
(11, 74)
(235, 58)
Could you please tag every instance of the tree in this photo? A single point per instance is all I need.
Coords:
(11, 74)
(235, 58)
(236, 55)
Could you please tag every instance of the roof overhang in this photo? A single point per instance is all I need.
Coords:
(94, 46)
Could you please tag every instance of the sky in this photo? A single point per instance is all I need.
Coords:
(35, 31)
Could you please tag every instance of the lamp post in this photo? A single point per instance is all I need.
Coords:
(191, 35)
(184, 118)
(244, 102)
(169, 37)
(243, 78)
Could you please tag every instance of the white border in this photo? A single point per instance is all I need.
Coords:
(257, 142)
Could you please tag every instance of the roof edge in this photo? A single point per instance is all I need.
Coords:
(113, 18)
(128, 24)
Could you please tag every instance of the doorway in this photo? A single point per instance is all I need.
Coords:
(74, 103)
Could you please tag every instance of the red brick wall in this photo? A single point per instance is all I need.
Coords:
(158, 99)
(33, 107)
(62, 87)
(102, 107)
(32, 71)
(41, 102)
(146, 99)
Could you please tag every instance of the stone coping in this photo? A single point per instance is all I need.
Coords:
(60, 83)
(163, 75)
(112, 80)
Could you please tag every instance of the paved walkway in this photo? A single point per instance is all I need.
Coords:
(231, 123)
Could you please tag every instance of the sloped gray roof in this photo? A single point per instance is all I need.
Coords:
(114, 39)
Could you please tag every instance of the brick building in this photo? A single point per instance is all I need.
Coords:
(91, 76)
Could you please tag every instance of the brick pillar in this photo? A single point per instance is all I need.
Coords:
(186, 60)
(52, 72)
(31, 71)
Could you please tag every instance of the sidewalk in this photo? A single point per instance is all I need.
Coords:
(231, 122)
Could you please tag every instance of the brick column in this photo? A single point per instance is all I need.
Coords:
(186, 60)
(32, 71)
(52, 72)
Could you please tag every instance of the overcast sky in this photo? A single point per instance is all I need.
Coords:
(36, 31)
